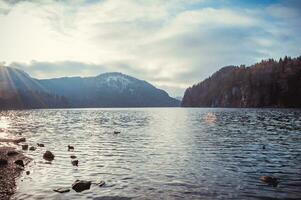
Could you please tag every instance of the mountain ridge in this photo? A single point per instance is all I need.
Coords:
(111, 89)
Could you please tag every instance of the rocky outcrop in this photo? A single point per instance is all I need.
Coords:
(269, 83)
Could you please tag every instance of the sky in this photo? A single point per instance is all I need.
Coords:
(172, 44)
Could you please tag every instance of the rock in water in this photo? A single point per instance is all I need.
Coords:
(116, 132)
(20, 140)
(62, 190)
(70, 148)
(12, 153)
(40, 145)
(72, 156)
(270, 180)
(48, 156)
(20, 163)
(101, 183)
(74, 162)
(27, 172)
(80, 186)
(24, 146)
(3, 162)
(32, 148)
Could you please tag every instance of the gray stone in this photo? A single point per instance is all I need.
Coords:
(80, 186)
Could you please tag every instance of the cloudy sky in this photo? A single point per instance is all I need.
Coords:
(172, 44)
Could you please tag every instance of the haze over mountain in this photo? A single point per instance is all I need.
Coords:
(19, 90)
(269, 83)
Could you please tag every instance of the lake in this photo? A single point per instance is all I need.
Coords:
(161, 153)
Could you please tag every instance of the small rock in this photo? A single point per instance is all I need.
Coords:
(70, 147)
(40, 145)
(3, 162)
(20, 163)
(270, 180)
(24, 146)
(116, 132)
(80, 186)
(32, 148)
(62, 190)
(20, 140)
(72, 156)
(12, 153)
(27, 172)
(101, 183)
(48, 156)
(74, 162)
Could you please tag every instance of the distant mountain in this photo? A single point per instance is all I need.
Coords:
(269, 83)
(19, 90)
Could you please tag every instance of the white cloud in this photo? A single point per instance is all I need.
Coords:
(172, 44)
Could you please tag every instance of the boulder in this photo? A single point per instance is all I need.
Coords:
(80, 186)
(20, 140)
(70, 148)
(20, 163)
(27, 172)
(32, 148)
(24, 146)
(74, 162)
(48, 156)
(40, 145)
(12, 153)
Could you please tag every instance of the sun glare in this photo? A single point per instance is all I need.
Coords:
(210, 118)
(4, 123)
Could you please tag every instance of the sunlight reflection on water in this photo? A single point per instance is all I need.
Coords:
(162, 153)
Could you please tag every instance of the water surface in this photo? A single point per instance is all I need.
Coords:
(162, 153)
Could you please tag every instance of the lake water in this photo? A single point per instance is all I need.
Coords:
(161, 153)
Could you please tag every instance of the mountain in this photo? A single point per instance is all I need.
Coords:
(19, 90)
(269, 83)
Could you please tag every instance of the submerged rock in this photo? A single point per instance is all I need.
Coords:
(20, 163)
(74, 162)
(3, 162)
(270, 180)
(70, 147)
(80, 186)
(12, 153)
(72, 156)
(101, 183)
(32, 148)
(48, 156)
(24, 146)
(40, 145)
(62, 190)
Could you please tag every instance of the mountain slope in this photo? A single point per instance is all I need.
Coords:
(109, 90)
(18, 90)
(265, 84)
(105, 90)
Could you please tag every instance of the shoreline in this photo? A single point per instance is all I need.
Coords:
(12, 164)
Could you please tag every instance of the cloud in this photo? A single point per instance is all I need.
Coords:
(172, 44)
